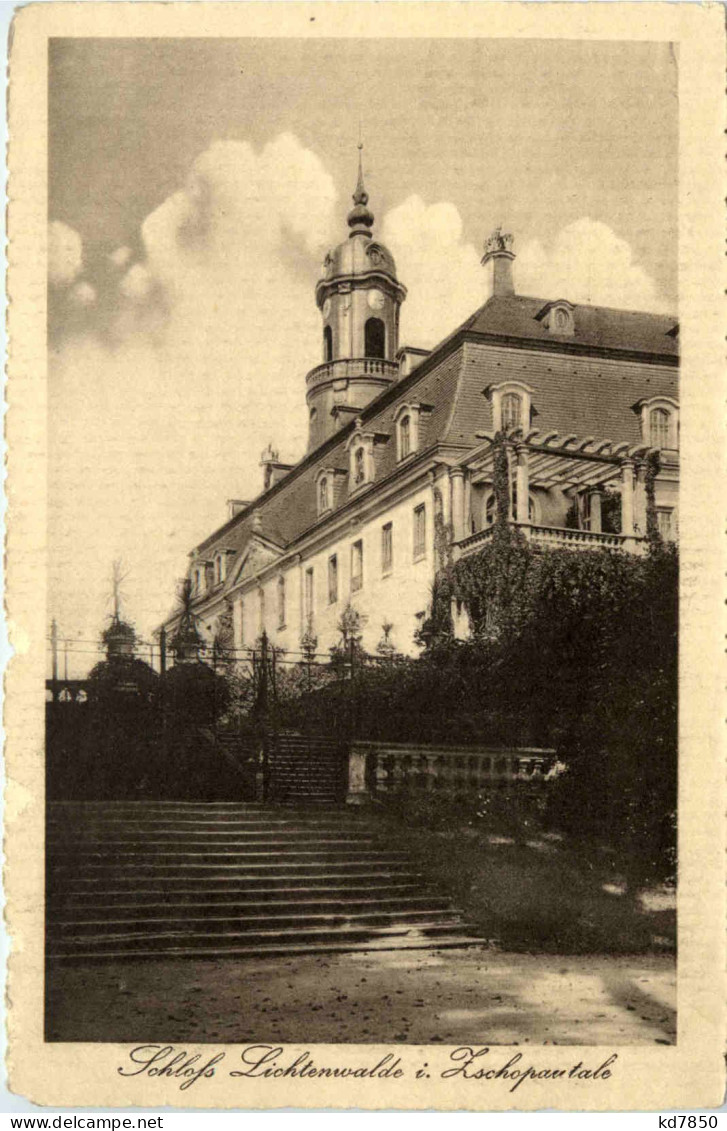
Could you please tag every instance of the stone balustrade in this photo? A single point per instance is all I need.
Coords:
(377, 768)
(352, 367)
(557, 538)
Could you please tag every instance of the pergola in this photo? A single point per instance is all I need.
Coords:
(576, 465)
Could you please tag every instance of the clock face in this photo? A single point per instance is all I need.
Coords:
(376, 300)
(326, 308)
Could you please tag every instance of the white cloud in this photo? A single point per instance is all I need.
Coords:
(213, 333)
(121, 256)
(65, 253)
(136, 283)
(443, 273)
(84, 293)
(587, 263)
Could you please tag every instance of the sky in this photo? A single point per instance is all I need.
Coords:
(194, 188)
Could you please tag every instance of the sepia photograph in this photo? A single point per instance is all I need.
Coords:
(366, 475)
(363, 537)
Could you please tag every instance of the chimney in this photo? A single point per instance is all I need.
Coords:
(234, 506)
(274, 470)
(498, 251)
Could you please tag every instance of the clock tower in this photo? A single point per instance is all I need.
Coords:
(359, 297)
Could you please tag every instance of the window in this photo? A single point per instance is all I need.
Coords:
(218, 569)
(332, 579)
(328, 344)
(511, 411)
(242, 624)
(512, 405)
(359, 466)
(387, 548)
(420, 532)
(404, 437)
(664, 519)
(308, 594)
(659, 421)
(323, 495)
(281, 602)
(375, 338)
(407, 419)
(262, 610)
(356, 566)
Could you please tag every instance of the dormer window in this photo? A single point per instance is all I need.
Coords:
(512, 405)
(404, 436)
(511, 411)
(558, 317)
(408, 420)
(659, 422)
(326, 488)
(362, 464)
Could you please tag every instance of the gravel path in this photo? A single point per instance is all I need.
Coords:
(417, 997)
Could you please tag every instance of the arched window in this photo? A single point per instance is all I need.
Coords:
(323, 496)
(659, 421)
(511, 411)
(404, 436)
(327, 344)
(375, 338)
(359, 466)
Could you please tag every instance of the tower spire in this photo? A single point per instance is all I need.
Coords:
(360, 219)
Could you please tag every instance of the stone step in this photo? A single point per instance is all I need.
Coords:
(155, 940)
(263, 878)
(271, 950)
(209, 842)
(92, 892)
(262, 854)
(200, 902)
(196, 923)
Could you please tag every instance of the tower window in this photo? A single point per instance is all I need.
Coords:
(375, 338)
(327, 344)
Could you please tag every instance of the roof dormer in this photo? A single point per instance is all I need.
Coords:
(558, 318)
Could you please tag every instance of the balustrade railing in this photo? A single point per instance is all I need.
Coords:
(353, 367)
(557, 537)
(388, 768)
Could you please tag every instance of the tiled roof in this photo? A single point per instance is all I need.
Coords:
(602, 327)
(586, 384)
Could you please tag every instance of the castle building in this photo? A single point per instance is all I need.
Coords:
(401, 444)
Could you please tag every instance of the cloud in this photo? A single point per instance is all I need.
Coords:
(84, 294)
(192, 360)
(443, 273)
(587, 262)
(65, 254)
(120, 257)
(136, 283)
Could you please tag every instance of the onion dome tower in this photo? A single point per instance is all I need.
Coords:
(359, 298)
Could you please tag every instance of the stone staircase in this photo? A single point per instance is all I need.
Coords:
(224, 879)
(305, 769)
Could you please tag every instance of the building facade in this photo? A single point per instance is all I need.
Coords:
(401, 451)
